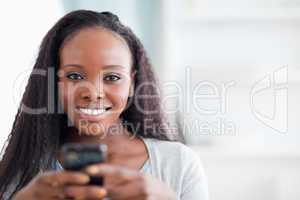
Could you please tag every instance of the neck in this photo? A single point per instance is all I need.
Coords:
(117, 140)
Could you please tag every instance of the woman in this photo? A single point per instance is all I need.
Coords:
(92, 83)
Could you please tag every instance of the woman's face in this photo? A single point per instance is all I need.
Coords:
(95, 79)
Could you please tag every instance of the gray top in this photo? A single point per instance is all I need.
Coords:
(179, 167)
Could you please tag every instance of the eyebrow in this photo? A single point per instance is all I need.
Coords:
(105, 67)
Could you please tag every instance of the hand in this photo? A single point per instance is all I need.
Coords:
(60, 185)
(124, 184)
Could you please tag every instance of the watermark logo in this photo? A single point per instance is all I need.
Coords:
(276, 85)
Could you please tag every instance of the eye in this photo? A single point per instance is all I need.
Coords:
(112, 77)
(74, 76)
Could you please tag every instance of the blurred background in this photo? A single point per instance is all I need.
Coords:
(229, 72)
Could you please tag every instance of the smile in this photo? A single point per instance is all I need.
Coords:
(88, 111)
(92, 114)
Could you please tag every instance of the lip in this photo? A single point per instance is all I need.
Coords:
(94, 107)
(93, 117)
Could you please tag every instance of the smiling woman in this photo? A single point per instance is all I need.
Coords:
(106, 93)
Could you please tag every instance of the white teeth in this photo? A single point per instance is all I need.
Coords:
(92, 111)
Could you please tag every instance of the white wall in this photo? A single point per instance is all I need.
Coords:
(242, 49)
(242, 41)
(248, 176)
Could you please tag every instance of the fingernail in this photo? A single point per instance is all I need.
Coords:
(84, 179)
(102, 192)
(92, 170)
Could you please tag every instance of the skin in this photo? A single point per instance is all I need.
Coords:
(96, 69)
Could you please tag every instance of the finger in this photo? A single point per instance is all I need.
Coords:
(112, 174)
(132, 190)
(105, 170)
(48, 192)
(85, 192)
(64, 177)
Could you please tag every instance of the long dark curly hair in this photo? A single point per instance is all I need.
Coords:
(35, 138)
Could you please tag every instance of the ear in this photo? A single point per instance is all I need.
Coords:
(131, 89)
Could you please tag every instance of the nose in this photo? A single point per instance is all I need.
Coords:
(93, 92)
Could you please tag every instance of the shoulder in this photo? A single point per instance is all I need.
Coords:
(171, 158)
(180, 166)
(173, 151)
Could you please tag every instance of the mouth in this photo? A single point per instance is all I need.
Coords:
(92, 114)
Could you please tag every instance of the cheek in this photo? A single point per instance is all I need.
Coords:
(66, 96)
(61, 95)
(118, 96)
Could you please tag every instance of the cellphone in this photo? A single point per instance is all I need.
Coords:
(76, 157)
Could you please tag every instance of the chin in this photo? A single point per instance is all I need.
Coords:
(99, 135)
(91, 129)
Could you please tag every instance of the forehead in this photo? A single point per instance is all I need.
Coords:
(95, 47)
